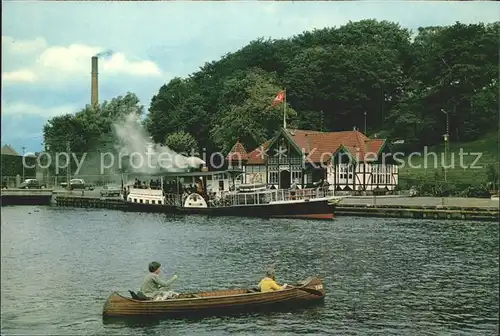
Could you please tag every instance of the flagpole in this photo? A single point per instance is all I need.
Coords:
(284, 110)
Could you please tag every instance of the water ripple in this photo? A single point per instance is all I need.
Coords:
(382, 276)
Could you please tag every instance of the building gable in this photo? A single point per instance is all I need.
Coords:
(342, 155)
(8, 150)
(237, 153)
(285, 144)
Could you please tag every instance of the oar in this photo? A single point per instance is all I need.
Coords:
(303, 287)
(310, 290)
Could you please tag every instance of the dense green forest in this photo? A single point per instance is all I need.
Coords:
(332, 76)
(401, 79)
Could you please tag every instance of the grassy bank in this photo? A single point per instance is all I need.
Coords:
(474, 166)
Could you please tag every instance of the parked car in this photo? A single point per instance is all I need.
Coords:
(32, 184)
(110, 190)
(78, 184)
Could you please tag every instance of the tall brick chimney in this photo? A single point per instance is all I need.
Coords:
(94, 98)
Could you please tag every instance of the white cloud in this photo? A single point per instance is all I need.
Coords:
(23, 109)
(22, 75)
(22, 46)
(63, 63)
(119, 64)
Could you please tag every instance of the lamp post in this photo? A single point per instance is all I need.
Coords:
(68, 167)
(23, 160)
(365, 121)
(446, 138)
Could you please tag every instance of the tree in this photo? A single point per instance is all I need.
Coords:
(246, 111)
(182, 143)
(85, 130)
(454, 68)
(333, 76)
(89, 132)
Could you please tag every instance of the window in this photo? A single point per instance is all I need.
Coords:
(296, 175)
(273, 177)
(135, 200)
(221, 185)
(308, 178)
(159, 202)
(374, 174)
(343, 171)
(152, 201)
(273, 160)
(140, 201)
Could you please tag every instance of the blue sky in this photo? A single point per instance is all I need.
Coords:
(46, 46)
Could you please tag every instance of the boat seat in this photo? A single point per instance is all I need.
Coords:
(139, 296)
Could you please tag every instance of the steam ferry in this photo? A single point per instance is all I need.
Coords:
(221, 193)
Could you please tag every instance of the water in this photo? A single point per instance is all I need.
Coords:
(382, 276)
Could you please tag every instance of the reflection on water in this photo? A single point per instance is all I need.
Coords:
(382, 276)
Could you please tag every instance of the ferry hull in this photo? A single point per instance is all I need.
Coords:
(314, 209)
(152, 208)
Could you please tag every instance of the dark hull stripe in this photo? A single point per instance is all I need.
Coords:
(307, 210)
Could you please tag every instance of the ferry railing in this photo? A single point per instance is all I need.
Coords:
(173, 199)
(277, 195)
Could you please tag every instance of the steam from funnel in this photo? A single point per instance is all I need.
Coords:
(144, 156)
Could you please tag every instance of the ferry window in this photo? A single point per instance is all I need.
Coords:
(153, 202)
(135, 200)
(159, 202)
(140, 201)
(147, 201)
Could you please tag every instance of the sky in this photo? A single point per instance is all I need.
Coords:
(47, 46)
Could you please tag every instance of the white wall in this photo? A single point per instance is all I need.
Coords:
(373, 173)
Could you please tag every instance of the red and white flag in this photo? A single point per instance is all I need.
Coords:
(280, 97)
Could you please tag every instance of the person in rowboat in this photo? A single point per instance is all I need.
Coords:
(269, 282)
(154, 287)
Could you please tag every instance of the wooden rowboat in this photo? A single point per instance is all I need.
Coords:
(216, 302)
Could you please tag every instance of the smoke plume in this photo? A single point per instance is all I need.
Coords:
(106, 53)
(143, 155)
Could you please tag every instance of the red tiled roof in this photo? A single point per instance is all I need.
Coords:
(256, 157)
(319, 146)
(238, 152)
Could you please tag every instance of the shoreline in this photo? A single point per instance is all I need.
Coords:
(388, 206)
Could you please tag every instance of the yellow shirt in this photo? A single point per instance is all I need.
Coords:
(268, 284)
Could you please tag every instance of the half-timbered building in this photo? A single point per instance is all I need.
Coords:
(347, 160)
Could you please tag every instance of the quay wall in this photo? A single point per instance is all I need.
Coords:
(478, 213)
(26, 197)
